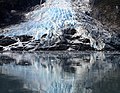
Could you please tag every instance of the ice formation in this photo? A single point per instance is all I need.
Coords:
(52, 17)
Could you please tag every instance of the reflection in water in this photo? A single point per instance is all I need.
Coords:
(60, 72)
(9, 84)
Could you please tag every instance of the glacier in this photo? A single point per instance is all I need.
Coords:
(48, 21)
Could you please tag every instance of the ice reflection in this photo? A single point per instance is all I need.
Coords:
(59, 72)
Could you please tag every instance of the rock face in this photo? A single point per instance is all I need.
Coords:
(107, 12)
(7, 41)
(11, 11)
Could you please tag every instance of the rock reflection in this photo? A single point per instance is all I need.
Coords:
(59, 72)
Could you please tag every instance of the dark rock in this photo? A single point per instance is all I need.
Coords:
(61, 47)
(77, 37)
(43, 36)
(57, 47)
(119, 36)
(1, 48)
(85, 40)
(115, 47)
(7, 41)
(114, 44)
(68, 37)
(109, 47)
(69, 31)
(12, 11)
(81, 47)
(87, 13)
(107, 12)
(24, 38)
(1, 36)
(17, 48)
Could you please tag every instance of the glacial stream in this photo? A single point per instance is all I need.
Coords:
(59, 72)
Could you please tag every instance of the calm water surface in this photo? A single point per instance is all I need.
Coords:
(59, 72)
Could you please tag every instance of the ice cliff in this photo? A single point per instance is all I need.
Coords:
(60, 23)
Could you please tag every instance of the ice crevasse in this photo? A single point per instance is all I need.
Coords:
(54, 16)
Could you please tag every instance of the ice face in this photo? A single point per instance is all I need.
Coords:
(56, 15)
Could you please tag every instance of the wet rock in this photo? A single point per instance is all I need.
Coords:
(7, 41)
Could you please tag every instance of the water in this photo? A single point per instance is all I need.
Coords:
(59, 72)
